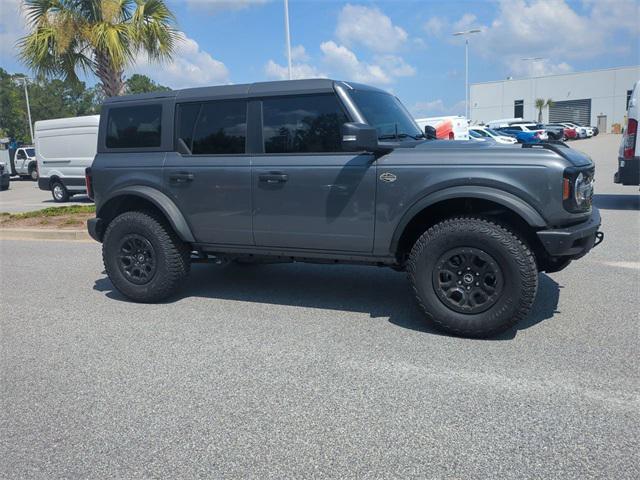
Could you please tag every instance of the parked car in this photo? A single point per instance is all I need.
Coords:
(522, 136)
(476, 137)
(332, 172)
(553, 132)
(65, 147)
(583, 132)
(453, 127)
(20, 161)
(490, 133)
(4, 176)
(629, 155)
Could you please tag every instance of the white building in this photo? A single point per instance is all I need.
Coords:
(597, 97)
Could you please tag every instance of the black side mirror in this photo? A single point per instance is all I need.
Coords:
(357, 137)
(430, 132)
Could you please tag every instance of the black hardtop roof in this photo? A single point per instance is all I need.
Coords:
(282, 87)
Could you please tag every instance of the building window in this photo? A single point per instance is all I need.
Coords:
(518, 108)
(629, 93)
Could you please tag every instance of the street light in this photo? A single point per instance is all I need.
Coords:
(466, 34)
(26, 96)
(288, 36)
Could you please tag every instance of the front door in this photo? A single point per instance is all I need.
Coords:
(209, 178)
(308, 194)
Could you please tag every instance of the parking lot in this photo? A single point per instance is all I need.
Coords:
(301, 370)
(24, 196)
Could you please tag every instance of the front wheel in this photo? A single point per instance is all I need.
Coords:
(33, 173)
(472, 277)
(144, 258)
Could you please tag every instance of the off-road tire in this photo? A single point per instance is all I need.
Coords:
(61, 195)
(512, 256)
(172, 256)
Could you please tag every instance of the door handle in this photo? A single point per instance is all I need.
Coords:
(181, 177)
(274, 177)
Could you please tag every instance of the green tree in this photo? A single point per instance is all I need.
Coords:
(541, 104)
(99, 36)
(137, 83)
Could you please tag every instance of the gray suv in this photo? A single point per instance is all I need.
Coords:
(333, 172)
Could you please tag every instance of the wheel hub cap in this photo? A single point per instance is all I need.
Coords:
(467, 280)
(137, 259)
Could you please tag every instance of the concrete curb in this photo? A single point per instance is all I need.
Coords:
(43, 234)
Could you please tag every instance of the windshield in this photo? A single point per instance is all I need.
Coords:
(31, 152)
(493, 132)
(386, 113)
(477, 133)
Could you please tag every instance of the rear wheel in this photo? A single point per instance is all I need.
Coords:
(59, 192)
(473, 277)
(144, 258)
(33, 172)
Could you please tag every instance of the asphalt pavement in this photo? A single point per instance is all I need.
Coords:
(299, 371)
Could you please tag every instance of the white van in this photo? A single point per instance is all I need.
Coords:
(453, 127)
(629, 154)
(64, 148)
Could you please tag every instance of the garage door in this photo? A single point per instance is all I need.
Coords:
(576, 111)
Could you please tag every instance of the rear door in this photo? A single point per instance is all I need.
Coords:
(308, 193)
(209, 176)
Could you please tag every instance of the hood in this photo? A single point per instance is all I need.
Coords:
(575, 157)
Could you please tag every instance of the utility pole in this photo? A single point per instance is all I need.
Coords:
(288, 35)
(26, 96)
(466, 34)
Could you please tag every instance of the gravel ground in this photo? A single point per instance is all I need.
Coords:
(297, 371)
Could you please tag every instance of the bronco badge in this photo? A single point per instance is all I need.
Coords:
(388, 177)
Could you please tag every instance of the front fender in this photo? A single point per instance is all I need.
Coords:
(161, 201)
(506, 199)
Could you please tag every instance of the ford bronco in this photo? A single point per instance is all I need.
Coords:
(333, 172)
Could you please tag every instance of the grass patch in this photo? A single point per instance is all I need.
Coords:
(50, 212)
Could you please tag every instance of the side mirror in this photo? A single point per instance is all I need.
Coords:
(359, 136)
(430, 132)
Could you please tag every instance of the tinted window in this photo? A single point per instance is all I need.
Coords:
(308, 123)
(221, 128)
(518, 108)
(186, 117)
(134, 127)
(386, 113)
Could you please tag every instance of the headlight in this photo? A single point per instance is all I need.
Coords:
(577, 189)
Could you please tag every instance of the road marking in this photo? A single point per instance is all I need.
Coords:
(632, 265)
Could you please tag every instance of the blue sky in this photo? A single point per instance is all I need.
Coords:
(403, 46)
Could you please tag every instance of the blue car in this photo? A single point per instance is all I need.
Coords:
(521, 136)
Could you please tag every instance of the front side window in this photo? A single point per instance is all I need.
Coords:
(303, 124)
(134, 127)
(386, 113)
(220, 127)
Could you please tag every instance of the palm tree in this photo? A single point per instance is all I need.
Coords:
(99, 36)
(541, 104)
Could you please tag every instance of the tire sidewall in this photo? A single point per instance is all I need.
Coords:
(65, 193)
(489, 239)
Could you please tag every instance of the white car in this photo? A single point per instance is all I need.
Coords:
(490, 133)
(583, 132)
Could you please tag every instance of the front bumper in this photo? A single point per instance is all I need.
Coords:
(95, 227)
(574, 241)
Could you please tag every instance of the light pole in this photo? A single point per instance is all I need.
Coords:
(466, 34)
(288, 35)
(26, 96)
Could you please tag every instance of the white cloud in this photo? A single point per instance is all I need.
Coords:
(436, 108)
(276, 71)
(538, 68)
(369, 27)
(12, 27)
(299, 54)
(467, 21)
(344, 62)
(435, 26)
(191, 66)
(215, 6)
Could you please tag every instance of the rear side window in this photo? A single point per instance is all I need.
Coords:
(134, 127)
(213, 128)
(309, 123)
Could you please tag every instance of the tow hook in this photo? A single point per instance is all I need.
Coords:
(599, 238)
